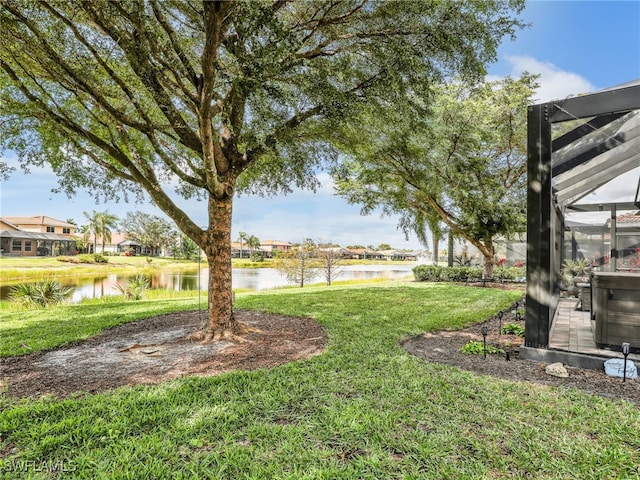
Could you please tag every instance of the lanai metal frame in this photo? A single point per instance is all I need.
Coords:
(561, 173)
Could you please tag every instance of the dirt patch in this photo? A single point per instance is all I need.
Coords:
(156, 349)
(445, 347)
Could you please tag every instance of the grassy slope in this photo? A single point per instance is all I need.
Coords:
(364, 409)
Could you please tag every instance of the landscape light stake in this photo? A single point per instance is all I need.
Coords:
(500, 315)
(483, 330)
(625, 352)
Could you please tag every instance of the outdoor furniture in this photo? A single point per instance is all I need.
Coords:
(616, 305)
(585, 296)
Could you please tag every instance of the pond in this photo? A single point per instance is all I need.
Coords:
(243, 278)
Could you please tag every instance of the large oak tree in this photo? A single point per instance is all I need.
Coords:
(208, 98)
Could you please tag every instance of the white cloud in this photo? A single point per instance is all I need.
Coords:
(555, 83)
(620, 189)
(322, 216)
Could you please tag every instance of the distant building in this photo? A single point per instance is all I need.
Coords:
(269, 247)
(36, 236)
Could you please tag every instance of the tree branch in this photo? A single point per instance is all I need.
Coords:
(139, 59)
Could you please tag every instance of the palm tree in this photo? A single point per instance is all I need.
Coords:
(243, 238)
(253, 242)
(93, 227)
(83, 244)
(101, 223)
(107, 221)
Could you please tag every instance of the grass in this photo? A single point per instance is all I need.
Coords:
(43, 329)
(14, 269)
(364, 409)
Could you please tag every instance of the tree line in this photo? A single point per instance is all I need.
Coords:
(150, 232)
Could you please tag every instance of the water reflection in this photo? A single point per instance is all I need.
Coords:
(243, 278)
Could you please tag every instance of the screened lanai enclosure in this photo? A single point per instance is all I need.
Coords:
(583, 227)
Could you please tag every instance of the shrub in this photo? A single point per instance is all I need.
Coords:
(67, 259)
(513, 328)
(435, 273)
(509, 274)
(42, 294)
(86, 258)
(92, 258)
(136, 287)
(461, 274)
(427, 273)
(477, 348)
(98, 258)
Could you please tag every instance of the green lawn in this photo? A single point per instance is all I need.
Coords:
(364, 409)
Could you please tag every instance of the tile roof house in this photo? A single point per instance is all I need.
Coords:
(628, 220)
(268, 247)
(36, 236)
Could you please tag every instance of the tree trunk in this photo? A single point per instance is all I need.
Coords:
(487, 271)
(217, 247)
(436, 249)
(488, 253)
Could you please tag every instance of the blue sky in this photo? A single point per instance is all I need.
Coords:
(576, 47)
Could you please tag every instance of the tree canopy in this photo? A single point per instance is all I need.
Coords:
(205, 99)
(463, 164)
(148, 230)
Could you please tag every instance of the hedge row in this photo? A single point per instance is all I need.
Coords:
(83, 258)
(436, 273)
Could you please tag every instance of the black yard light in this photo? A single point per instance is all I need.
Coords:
(500, 315)
(517, 305)
(625, 352)
(483, 330)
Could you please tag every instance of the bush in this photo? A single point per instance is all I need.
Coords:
(477, 348)
(513, 328)
(461, 274)
(427, 273)
(67, 259)
(91, 258)
(98, 258)
(435, 273)
(43, 294)
(136, 287)
(510, 274)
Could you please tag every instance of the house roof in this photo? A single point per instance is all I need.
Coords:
(629, 218)
(37, 220)
(35, 236)
(117, 238)
(626, 220)
(273, 242)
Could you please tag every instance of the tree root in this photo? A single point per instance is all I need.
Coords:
(232, 334)
(140, 345)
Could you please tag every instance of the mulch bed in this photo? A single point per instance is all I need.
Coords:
(445, 347)
(156, 349)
